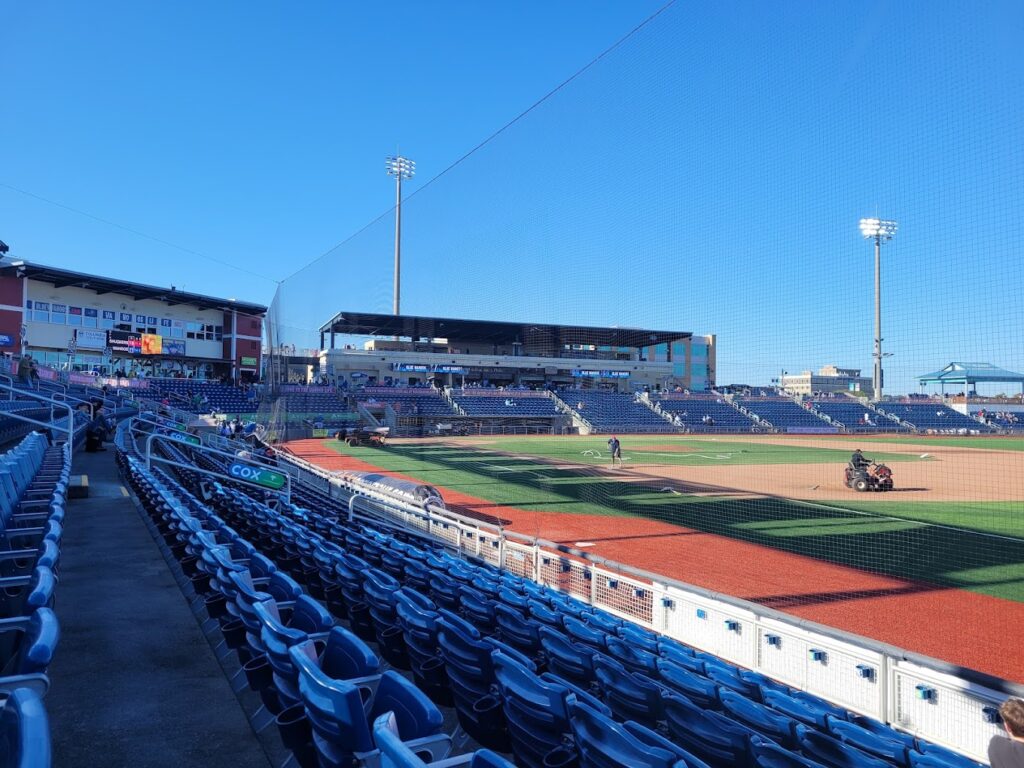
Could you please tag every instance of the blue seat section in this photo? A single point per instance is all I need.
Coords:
(614, 411)
(785, 415)
(512, 403)
(322, 613)
(933, 417)
(406, 401)
(694, 412)
(34, 478)
(224, 398)
(851, 415)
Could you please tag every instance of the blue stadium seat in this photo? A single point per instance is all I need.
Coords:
(767, 754)
(934, 756)
(27, 643)
(803, 711)
(536, 709)
(775, 726)
(341, 712)
(707, 734)
(24, 731)
(603, 743)
(701, 690)
(834, 753)
(585, 633)
(470, 668)
(892, 749)
(655, 740)
(521, 633)
(395, 753)
(417, 616)
(379, 588)
(283, 626)
(631, 696)
(567, 659)
(21, 595)
(632, 657)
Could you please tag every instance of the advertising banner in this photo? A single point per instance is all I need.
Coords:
(88, 339)
(174, 348)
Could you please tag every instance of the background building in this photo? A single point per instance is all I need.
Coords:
(829, 379)
(405, 349)
(103, 324)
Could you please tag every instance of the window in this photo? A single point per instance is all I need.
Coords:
(90, 319)
(75, 316)
(177, 333)
(58, 314)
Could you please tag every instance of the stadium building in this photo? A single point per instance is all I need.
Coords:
(829, 379)
(106, 325)
(407, 350)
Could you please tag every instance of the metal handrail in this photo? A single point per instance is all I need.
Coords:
(52, 424)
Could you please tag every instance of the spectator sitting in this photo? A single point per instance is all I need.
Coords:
(96, 432)
(25, 370)
(1009, 752)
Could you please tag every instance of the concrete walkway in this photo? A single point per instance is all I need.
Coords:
(134, 681)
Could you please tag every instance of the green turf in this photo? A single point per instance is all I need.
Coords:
(907, 548)
(1001, 517)
(689, 451)
(987, 443)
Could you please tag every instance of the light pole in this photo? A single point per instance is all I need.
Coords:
(878, 230)
(401, 168)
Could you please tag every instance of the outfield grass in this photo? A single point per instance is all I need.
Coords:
(684, 451)
(1005, 518)
(906, 547)
(987, 443)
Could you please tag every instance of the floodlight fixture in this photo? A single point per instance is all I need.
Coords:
(878, 228)
(402, 167)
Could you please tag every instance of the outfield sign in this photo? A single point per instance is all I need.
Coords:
(265, 477)
(590, 374)
(184, 437)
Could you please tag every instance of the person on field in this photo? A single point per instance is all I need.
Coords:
(1009, 752)
(859, 461)
(615, 449)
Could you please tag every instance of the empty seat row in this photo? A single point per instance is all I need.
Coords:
(528, 670)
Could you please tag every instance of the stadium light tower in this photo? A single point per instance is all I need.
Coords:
(878, 230)
(401, 168)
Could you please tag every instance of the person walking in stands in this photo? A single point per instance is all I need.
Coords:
(615, 448)
(1009, 752)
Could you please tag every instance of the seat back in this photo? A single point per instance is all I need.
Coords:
(346, 656)
(603, 743)
(335, 708)
(24, 731)
(415, 714)
(37, 646)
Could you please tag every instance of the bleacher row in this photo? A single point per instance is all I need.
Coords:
(225, 398)
(517, 403)
(301, 594)
(33, 486)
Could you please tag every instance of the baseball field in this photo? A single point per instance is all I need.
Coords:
(935, 566)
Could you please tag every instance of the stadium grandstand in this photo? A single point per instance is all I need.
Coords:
(387, 520)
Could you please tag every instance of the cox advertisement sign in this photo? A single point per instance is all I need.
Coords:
(265, 477)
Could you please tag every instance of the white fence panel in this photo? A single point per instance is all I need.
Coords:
(726, 631)
(841, 672)
(943, 709)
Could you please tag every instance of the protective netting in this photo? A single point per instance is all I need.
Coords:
(708, 175)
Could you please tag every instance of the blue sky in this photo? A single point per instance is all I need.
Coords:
(707, 175)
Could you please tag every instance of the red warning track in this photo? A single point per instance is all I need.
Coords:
(964, 628)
